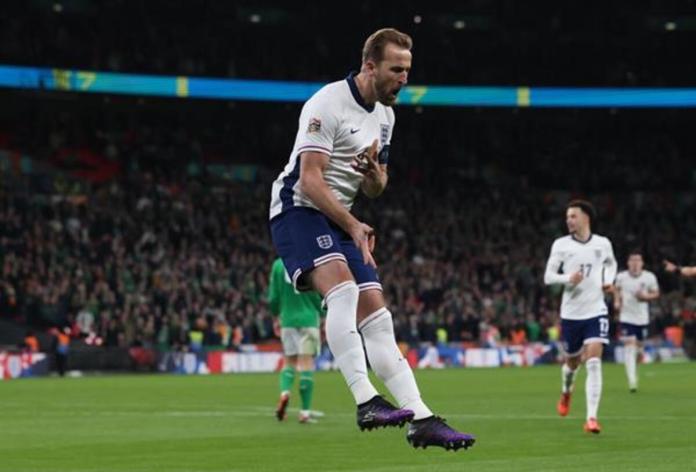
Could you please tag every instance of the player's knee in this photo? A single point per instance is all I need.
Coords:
(593, 357)
(378, 320)
(305, 363)
(346, 291)
(593, 364)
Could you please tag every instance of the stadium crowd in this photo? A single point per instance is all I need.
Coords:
(146, 261)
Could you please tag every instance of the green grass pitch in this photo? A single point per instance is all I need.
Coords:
(148, 423)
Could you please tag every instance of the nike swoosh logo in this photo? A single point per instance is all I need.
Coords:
(354, 130)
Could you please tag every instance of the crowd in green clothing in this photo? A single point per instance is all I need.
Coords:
(146, 263)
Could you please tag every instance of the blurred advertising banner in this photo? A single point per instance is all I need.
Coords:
(26, 364)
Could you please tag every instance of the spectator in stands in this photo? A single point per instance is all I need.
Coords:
(31, 342)
(61, 348)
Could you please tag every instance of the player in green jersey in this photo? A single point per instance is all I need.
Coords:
(299, 314)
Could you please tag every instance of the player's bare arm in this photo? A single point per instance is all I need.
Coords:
(681, 270)
(312, 166)
(618, 299)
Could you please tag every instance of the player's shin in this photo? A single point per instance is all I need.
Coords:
(287, 378)
(389, 364)
(568, 376)
(344, 340)
(593, 385)
(306, 389)
(631, 354)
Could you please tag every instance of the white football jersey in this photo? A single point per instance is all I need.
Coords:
(633, 310)
(337, 122)
(595, 258)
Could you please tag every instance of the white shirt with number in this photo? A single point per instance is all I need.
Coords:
(337, 122)
(633, 310)
(595, 258)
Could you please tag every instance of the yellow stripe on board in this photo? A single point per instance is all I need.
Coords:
(61, 78)
(417, 92)
(182, 89)
(522, 96)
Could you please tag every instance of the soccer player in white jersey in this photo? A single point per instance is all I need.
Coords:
(584, 264)
(342, 147)
(635, 288)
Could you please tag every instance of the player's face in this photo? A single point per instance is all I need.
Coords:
(635, 264)
(576, 220)
(391, 74)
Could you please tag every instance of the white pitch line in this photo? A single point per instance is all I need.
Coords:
(550, 417)
(260, 412)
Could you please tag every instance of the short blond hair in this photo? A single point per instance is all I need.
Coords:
(378, 41)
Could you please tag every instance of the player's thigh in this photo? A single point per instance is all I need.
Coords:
(306, 242)
(371, 296)
(572, 340)
(290, 338)
(326, 276)
(593, 349)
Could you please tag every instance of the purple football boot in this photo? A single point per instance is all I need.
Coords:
(379, 413)
(433, 431)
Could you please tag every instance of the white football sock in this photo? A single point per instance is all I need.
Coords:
(630, 354)
(389, 364)
(568, 378)
(344, 340)
(593, 385)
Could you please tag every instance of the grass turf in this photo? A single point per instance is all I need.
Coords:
(147, 423)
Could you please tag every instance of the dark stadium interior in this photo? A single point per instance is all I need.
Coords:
(600, 43)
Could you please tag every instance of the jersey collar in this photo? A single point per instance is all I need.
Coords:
(356, 93)
(581, 242)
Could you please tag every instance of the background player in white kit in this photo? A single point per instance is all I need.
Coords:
(584, 264)
(635, 288)
(342, 146)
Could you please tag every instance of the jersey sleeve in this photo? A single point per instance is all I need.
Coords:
(653, 285)
(610, 265)
(553, 266)
(318, 126)
(386, 136)
(274, 287)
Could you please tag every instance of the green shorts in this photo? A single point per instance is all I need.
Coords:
(300, 341)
